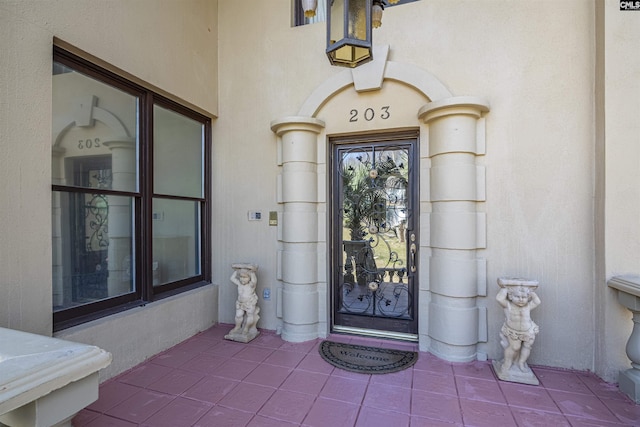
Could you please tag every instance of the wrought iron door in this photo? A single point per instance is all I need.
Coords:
(374, 236)
(90, 229)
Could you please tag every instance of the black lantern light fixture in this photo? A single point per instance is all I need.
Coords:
(349, 24)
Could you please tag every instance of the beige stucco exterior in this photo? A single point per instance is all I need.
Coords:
(559, 166)
(152, 42)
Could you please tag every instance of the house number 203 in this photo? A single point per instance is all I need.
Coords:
(89, 143)
(369, 114)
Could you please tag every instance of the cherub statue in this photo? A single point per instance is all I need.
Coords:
(518, 331)
(247, 310)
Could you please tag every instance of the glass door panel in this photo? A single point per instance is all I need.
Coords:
(374, 237)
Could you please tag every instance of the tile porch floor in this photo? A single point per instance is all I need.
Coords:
(210, 382)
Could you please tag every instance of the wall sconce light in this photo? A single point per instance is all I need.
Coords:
(349, 32)
(309, 7)
(376, 13)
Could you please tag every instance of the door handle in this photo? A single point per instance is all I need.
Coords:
(412, 250)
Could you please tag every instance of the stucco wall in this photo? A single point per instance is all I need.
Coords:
(158, 43)
(620, 146)
(135, 335)
(533, 62)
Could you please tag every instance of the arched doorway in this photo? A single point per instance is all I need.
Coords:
(450, 138)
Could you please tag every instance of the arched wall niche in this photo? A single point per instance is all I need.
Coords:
(452, 277)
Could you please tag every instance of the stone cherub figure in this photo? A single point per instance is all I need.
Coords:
(518, 331)
(247, 310)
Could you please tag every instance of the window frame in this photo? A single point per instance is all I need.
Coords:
(143, 196)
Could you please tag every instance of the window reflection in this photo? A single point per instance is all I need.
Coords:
(178, 145)
(124, 229)
(94, 151)
(176, 240)
(92, 248)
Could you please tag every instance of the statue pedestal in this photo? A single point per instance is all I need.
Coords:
(515, 375)
(628, 288)
(241, 337)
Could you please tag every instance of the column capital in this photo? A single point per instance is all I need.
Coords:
(466, 105)
(122, 142)
(296, 123)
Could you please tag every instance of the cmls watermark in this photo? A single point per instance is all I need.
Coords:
(629, 4)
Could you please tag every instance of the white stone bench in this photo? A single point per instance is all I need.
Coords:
(46, 381)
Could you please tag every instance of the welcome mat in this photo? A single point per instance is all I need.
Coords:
(366, 360)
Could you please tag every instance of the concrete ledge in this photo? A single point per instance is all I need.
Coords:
(629, 284)
(45, 381)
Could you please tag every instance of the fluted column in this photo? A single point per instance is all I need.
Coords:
(457, 229)
(298, 194)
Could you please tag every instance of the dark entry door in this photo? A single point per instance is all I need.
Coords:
(90, 229)
(374, 235)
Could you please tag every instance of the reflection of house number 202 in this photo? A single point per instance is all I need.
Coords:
(369, 114)
(88, 143)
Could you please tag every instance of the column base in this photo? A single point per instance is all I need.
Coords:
(629, 384)
(452, 353)
(243, 337)
(299, 333)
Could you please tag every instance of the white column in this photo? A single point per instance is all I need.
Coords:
(456, 228)
(57, 177)
(123, 173)
(297, 152)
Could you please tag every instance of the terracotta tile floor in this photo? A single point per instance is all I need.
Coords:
(208, 381)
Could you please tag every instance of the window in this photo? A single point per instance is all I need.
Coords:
(321, 11)
(300, 19)
(131, 197)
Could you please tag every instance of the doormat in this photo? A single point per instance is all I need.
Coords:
(366, 360)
